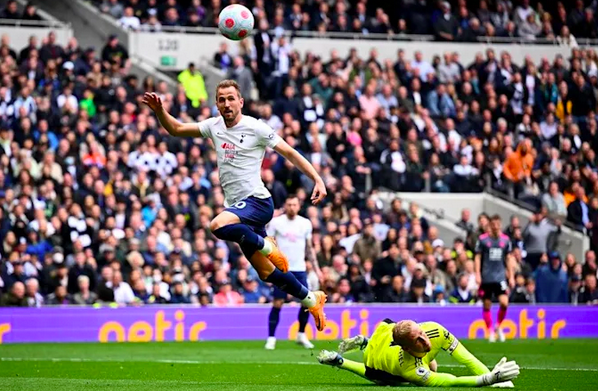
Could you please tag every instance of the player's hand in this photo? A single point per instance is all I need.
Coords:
(152, 100)
(319, 192)
(478, 279)
(503, 371)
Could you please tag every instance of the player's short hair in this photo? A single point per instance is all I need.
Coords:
(292, 196)
(401, 333)
(228, 83)
(495, 218)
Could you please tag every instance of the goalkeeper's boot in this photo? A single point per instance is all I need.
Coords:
(347, 345)
(276, 256)
(330, 358)
(317, 310)
(505, 384)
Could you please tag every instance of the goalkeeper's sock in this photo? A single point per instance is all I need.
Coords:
(502, 313)
(353, 366)
(487, 319)
(273, 320)
(249, 241)
(287, 282)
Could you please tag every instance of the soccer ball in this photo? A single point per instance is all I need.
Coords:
(235, 22)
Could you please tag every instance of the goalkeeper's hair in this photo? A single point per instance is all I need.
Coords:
(401, 333)
(228, 83)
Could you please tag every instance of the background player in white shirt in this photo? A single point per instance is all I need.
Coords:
(240, 142)
(293, 236)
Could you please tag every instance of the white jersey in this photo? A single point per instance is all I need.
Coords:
(291, 237)
(240, 152)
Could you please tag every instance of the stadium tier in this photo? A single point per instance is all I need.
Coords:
(100, 204)
(391, 183)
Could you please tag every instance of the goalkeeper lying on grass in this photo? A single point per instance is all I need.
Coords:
(404, 352)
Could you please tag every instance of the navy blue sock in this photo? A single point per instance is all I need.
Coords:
(241, 233)
(287, 282)
(273, 321)
(303, 318)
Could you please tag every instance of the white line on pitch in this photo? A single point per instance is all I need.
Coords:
(76, 359)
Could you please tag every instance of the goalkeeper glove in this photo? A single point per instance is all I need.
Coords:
(502, 372)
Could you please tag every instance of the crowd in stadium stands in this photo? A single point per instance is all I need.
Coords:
(462, 21)
(99, 205)
(11, 11)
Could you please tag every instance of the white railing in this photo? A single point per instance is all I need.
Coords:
(384, 37)
(34, 23)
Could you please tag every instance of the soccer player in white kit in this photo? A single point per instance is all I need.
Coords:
(293, 236)
(240, 142)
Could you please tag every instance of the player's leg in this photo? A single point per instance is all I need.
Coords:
(486, 315)
(303, 316)
(503, 301)
(244, 224)
(274, 318)
(336, 360)
(228, 226)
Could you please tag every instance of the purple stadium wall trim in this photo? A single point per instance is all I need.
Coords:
(177, 323)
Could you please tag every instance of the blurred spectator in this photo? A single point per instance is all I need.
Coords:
(589, 293)
(129, 21)
(227, 297)
(551, 280)
(522, 292)
(446, 27)
(178, 294)
(15, 297)
(242, 75)
(84, 295)
(34, 298)
(222, 59)
(461, 293)
(193, 83)
(540, 237)
(367, 247)
(11, 11)
(59, 297)
(30, 13)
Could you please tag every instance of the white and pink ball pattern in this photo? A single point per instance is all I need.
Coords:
(236, 22)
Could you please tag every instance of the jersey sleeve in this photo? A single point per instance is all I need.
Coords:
(428, 378)
(205, 127)
(478, 246)
(271, 228)
(309, 229)
(266, 135)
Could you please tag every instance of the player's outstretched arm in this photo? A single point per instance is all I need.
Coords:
(464, 357)
(173, 126)
(503, 371)
(305, 167)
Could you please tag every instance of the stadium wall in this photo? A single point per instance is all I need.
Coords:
(19, 34)
(190, 323)
(174, 50)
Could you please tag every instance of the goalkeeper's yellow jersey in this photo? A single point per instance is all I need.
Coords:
(381, 354)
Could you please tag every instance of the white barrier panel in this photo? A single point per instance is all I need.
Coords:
(19, 36)
(175, 50)
(389, 49)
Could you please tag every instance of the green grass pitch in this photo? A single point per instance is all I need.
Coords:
(231, 366)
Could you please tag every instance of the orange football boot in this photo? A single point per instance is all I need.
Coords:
(318, 310)
(277, 257)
